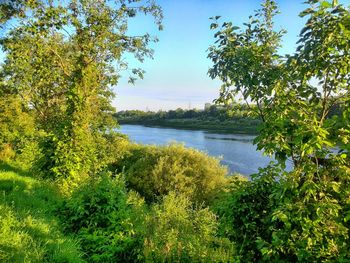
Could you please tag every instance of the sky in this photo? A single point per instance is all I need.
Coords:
(177, 76)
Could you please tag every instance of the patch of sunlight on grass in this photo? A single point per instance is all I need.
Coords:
(29, 231)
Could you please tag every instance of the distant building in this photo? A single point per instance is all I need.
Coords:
(218, 107)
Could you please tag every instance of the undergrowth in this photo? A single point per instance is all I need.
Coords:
(29, 230)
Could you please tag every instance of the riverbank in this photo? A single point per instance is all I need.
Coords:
(235, 126)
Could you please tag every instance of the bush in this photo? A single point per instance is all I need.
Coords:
(100, 213)
(176, 232)
(109, 148)
(245, 213)
(310, 220)
(154, 171)
(6, 152)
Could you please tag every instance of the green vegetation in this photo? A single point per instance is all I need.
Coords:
(61, 62)
(73, 190)
(103, 221)
(155, 171)
(304, 215)
(29, 229)
(177, 232)
(235, 118)
(102, 215)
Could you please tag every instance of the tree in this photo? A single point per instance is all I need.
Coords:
(11, 8)
(63, 58)
(247, 61)
(310, 214)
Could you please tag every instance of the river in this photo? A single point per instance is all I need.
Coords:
(235, 150)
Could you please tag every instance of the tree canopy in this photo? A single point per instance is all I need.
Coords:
(63, 60)
(294, 97)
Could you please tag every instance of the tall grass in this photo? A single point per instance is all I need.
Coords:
(29, 231)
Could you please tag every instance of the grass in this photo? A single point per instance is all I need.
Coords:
(29, 230)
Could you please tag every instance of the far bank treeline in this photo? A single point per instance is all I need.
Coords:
(75, 190)
(234, 118)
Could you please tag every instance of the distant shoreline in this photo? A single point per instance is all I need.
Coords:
(227, 127)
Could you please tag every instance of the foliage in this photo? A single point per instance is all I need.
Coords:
(114, 225)
(221, 112)
(247, 61)
(62, 59)
(308, 220)
(224, 118)
(17, 132)
(28, 230)
(11, 8)
(100, 213)
(154, 171)
(245, 212)
(310, 203)
(177, 232)
(313, 196)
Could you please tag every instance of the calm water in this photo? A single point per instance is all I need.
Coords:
(236, 151)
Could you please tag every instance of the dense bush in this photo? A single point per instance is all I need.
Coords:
(112, 148)
(100, 213)
(296, 216)
(114, 225)
(176, 231)
(154, 171)
(245, 213)
(310, 222)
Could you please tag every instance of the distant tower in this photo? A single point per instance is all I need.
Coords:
(147, 109)
(189, 105)
(207, 106)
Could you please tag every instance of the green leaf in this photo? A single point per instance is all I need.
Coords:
(326, 4)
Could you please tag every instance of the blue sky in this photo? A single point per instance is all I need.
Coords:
(177, 76)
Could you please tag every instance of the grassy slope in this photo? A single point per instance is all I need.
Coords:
(29, 231)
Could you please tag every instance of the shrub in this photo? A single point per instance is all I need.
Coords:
(310, 221)
(154, 171)
(176, 232)
(111, 147)
(100, 213)
(245, 213)
(6, 152)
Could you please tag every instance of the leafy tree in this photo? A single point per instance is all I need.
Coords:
(314, 196)
(247, 61)
(62, 59)
(11, 8)
(310, 205)
(17, 131)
